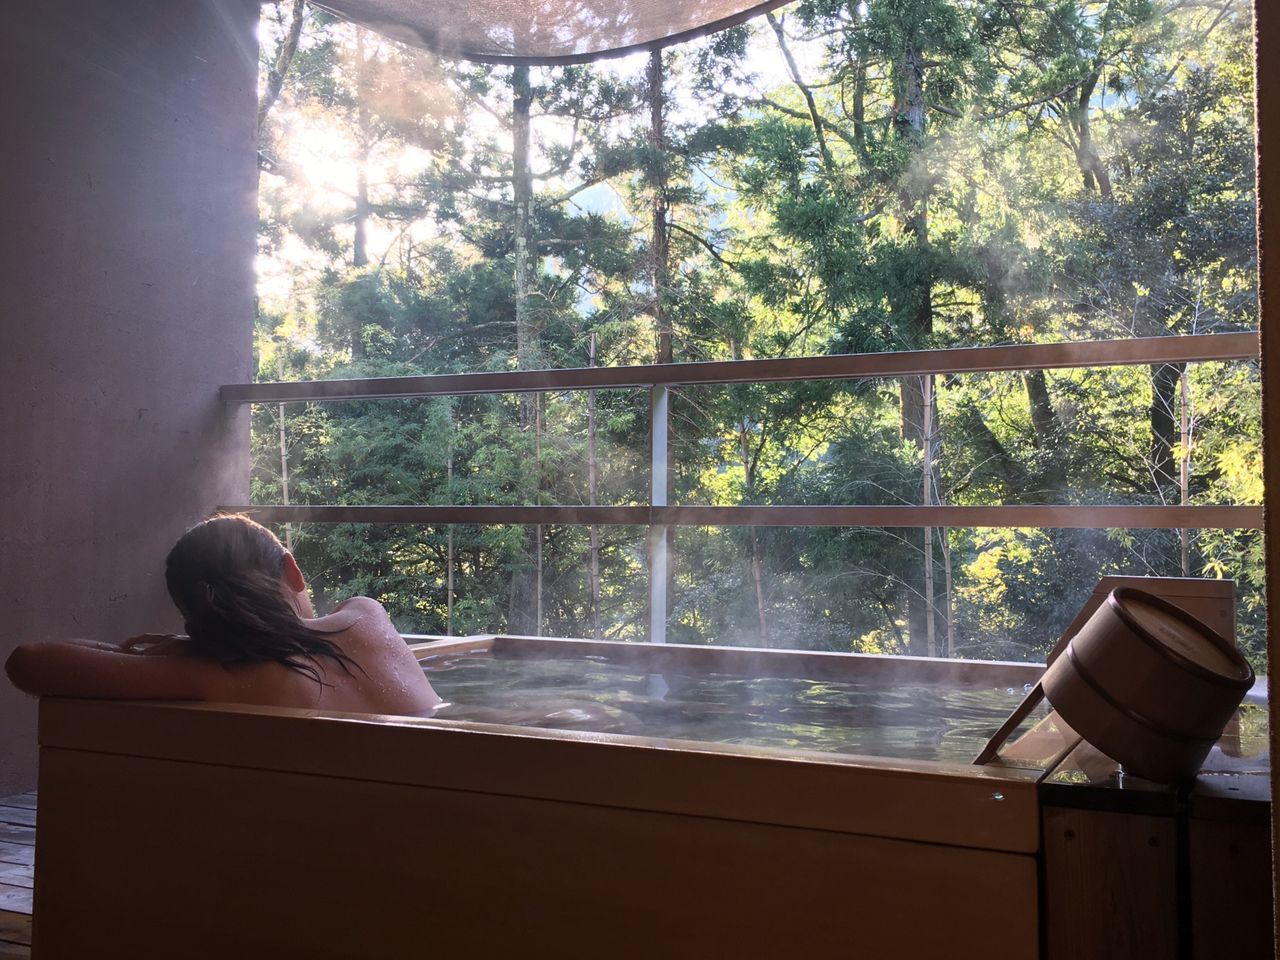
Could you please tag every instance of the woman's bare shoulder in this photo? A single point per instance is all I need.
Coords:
(361, 621)
(350, 612)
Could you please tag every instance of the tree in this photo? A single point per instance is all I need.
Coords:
(835, 177)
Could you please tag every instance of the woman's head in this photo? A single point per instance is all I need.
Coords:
(243, 597)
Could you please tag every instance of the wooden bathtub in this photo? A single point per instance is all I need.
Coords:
(194, 831)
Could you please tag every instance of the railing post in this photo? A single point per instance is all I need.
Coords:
(659, 478)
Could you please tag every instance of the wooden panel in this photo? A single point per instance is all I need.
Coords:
(1213, 602)
(1027, 356)
(1089, 779)
(15, 927)
(16, 853)
(27, 800)
(10, 833)
(17, 875)
(18, 816)
(1230, 889)
(1110, 887)
(15, 898)
(14, 951)
(1224, 791)
(231, 862)
(912, 800)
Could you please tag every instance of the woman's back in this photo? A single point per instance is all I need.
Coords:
(383, 676)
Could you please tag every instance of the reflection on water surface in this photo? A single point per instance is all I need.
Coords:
(921, 721)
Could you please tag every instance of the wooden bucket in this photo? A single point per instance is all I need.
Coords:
(1148, 684)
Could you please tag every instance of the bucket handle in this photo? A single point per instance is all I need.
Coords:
(1029, 703)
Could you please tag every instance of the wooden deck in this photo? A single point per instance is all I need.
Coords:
(17, 856)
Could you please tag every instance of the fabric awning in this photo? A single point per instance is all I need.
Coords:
(544, 31)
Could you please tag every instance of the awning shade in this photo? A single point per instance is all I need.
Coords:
(544, 31)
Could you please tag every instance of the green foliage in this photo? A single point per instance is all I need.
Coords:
(933, 174)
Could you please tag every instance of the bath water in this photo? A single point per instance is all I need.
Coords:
(905, 720)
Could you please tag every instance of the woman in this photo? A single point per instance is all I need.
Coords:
(252, 637)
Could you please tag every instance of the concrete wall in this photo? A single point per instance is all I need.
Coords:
(126, 300)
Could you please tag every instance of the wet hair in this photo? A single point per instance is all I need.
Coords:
(224, 577)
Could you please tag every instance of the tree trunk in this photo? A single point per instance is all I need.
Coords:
(360, 246)
(284, 462)
(1044, 421)
(814, 117)
(981, 436)
(860, 110)
(931, 630)
(757, 577)
(360, 219)
(1164, 426)
(522, 614)
(592, 481)
(1093, 171)
(944, 540)
(449, 557)
(660, 245)
(656, 174)
(916, 301)
(909, 107)
(1184, 471)
(538, 531)
(757, 548)
(280, 66)
(522, 195)
(1045, 436)
(951, 606)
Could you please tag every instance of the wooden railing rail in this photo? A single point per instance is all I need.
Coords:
(1083, 516)
(658, 517)
(1024, 356)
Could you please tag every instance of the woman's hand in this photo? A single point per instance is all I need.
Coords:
(91, 644)
(150, 644)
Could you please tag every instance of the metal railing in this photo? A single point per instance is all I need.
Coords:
(658, 515)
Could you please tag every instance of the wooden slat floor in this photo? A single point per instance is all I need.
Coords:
(17, 860)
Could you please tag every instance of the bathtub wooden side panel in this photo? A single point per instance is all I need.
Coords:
(1111, 888)
(145, 857)
(987, 808)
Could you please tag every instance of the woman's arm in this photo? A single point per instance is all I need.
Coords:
(70, 668)
(151, 644)
(96, 644)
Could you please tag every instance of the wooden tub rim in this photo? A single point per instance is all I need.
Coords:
(1014, 671)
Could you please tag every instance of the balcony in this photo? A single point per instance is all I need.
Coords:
(658, 516)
